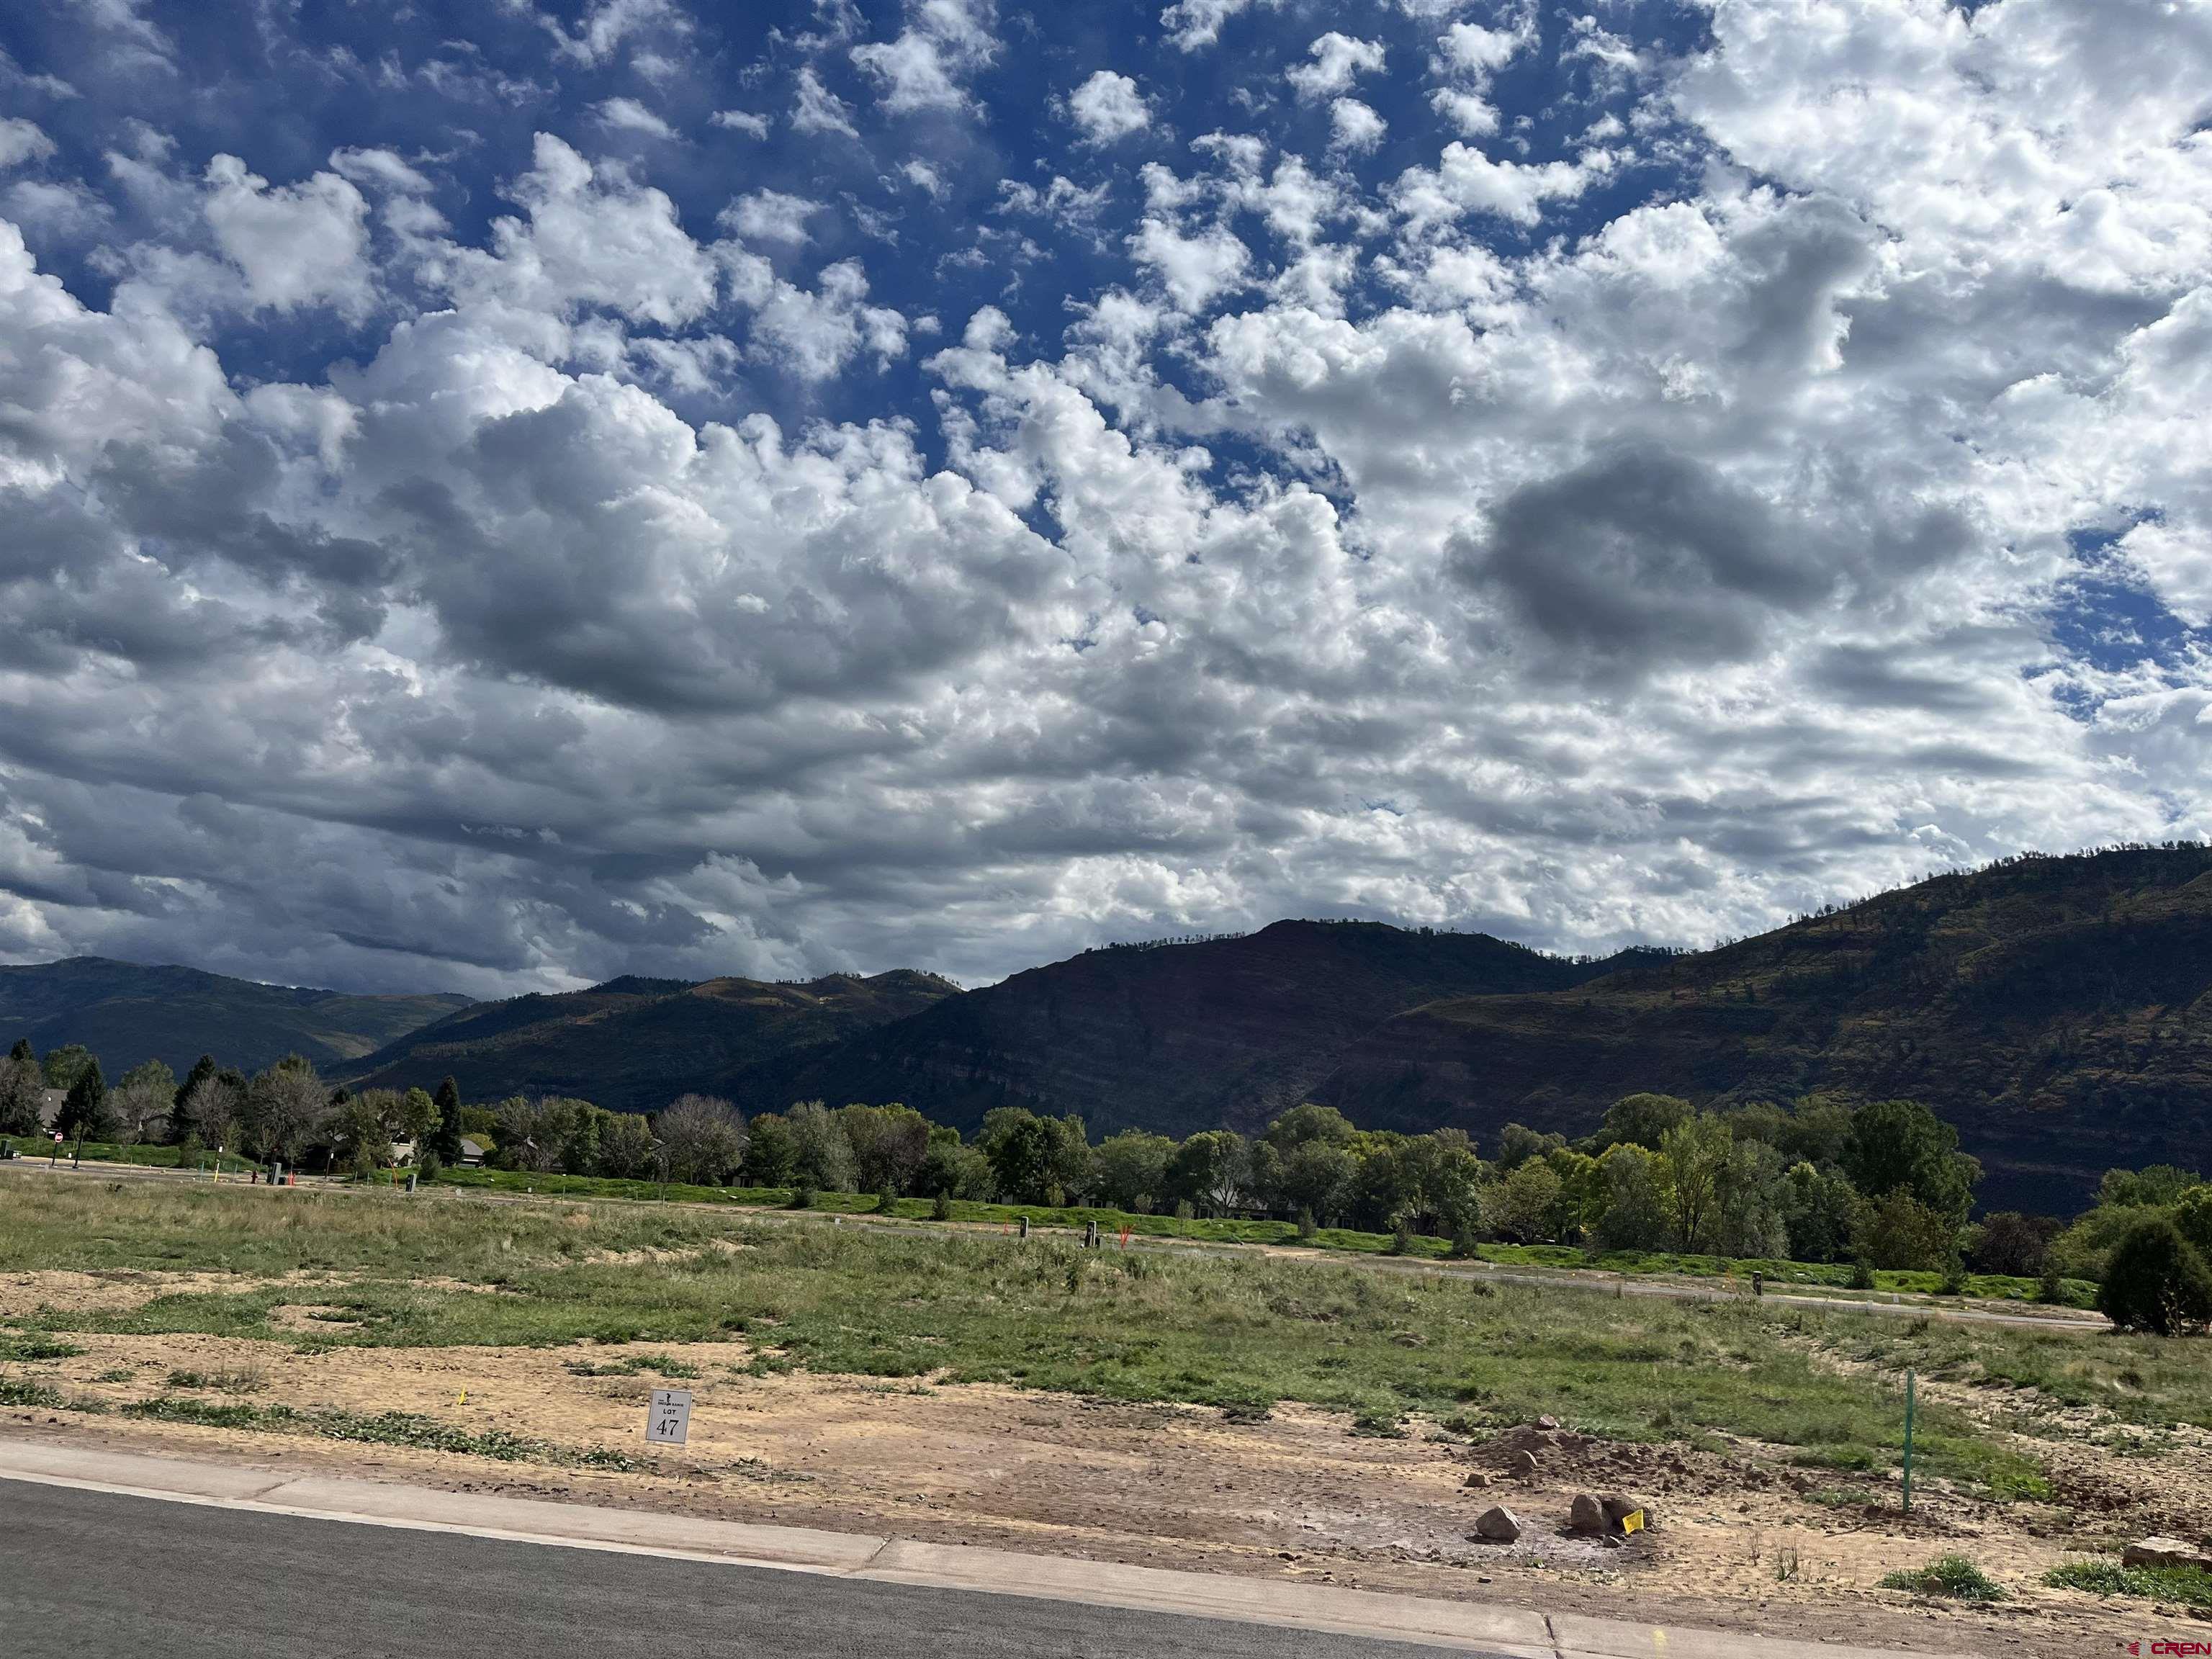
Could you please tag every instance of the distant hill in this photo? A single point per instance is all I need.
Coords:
(126, 1013)
(634, 1045)
(2058, 1009)
(1173, 1037)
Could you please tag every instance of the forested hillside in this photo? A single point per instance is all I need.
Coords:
(2055, 1009)
(634, 1045)
(126, 1013)
(1172, 1038)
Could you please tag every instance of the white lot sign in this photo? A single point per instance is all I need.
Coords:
(669, 1419)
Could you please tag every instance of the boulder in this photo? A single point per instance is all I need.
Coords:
(1617, 1505)
(2166, 1553)
(1522, 1463)
(1547, 1424)
(1587, 1515)
(1498, 1525)
(1476, 1480)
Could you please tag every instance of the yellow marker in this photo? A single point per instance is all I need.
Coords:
(464, 1401)
(1632, 1521)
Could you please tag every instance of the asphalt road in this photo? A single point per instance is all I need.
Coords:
(94, 1575)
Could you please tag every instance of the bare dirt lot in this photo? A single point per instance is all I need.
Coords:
(1298, 1493)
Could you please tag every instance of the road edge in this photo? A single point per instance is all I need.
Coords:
(1514, 1632)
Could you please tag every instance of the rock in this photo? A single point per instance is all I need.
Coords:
(2166, 1553)
(1477, 1481)
(1618, 1505)
(1548, 1423)
(1522, 1464)
(1498, 1525)
(1587, 1515)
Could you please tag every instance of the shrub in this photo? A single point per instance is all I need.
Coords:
(1862, 1274)
(886, 1202)
(2049, 1287)
(1953, 1282)
(1306, 1228)
(1954, 1576)
(1402, 1238)
(802, 1197)
(2156, 1282)
(941, 1208)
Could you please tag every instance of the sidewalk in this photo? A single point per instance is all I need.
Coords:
(1452, 1625)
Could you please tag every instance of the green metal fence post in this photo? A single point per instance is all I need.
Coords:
(1908, 1443)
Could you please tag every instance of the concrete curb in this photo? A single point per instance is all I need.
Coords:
(1513, 1632)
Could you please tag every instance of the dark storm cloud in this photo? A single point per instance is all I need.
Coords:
(1643, 558)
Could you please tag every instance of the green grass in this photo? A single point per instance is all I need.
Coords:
(2187, 1587)
(243, 1380)
(383, 1429)
(633, 1365)
(32, 1346)
(1796, 1275)
(1951, 1576)
(1238, 1332)
(2157, 1381)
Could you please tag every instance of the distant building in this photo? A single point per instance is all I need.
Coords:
(472, 1153)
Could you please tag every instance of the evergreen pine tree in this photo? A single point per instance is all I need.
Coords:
(445, 1142)
(84, 1113)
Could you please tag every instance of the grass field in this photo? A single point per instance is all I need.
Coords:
(1237, 1332)
(2079, 1293)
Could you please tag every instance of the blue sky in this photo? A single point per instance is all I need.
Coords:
(507, 494)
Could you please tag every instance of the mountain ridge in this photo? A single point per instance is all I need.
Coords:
(127, 1012)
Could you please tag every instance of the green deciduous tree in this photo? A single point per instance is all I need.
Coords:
(1901, 1143)
(625, 1150)
(888, 1144)
(1642, 1120)
(1633, 1214)
(415, 1119)
(1822, 1212)
(2192, 1215)
(2154, 1187)
(1696, 1153)
(822, 1158)
(65, 1064)
(360, 1129)
(2010, 1243)
(1524, 1207)
(1210, 1171)
(1130, 1171)
(1903, 1233)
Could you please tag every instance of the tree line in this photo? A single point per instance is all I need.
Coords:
(1880, 1184)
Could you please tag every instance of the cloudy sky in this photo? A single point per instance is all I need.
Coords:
(506, 494)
